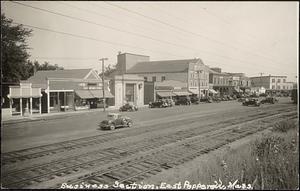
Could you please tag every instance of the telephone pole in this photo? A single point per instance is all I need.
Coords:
(103, 91)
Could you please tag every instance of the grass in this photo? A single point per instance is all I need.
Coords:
(270, 162)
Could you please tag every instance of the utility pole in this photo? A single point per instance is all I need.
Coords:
(261, 78)
(103, 91)
(199, 71)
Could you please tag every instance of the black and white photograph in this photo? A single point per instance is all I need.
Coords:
(150, 95)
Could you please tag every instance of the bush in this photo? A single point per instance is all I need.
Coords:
(284, 126)
(270, 162)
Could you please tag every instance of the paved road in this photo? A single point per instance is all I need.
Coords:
(29, 134)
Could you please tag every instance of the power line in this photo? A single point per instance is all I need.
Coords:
(183, 30)
(89, 38)
(132, 33)
(101, 25)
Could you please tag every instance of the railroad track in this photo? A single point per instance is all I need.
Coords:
(145, 166)
(45, 172)
(40, 151)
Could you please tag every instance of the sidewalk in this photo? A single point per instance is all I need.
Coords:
(7, 118)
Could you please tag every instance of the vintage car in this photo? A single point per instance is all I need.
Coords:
(195, 100)
(251, 101)
(170, 102)
(216, 99)
(115, 120)
(271, 100)
(183, 101)
(159, 103)
(128, 107)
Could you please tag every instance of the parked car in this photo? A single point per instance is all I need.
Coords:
(183, 101)
(158, 103)
(170, 102)
(271, 100)
(128, 107)
(251, 101)
(115, 120)
(216, 99)
(194, 100)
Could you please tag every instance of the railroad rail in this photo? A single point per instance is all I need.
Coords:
(40, 151)
(145, 166)
(36, 174)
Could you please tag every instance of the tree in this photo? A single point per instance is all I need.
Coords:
(108, 71)
(14, 48)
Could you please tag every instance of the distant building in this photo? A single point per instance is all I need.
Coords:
(220, 81)
(58, 90)
(240, 81)
(188, 72)
(272, 84)
(228, 83)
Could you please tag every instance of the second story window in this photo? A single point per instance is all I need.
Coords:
(278, 80)
(273, 87)
(145, 78)
(154, 79)
(283, 81)
(273, 80)
(163, 78)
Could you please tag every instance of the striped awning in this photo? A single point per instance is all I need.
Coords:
(165, 94)
(84, 94)
(99, 94)
(182, 93)
(213, 91)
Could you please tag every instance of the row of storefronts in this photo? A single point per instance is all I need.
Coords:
(137, 80)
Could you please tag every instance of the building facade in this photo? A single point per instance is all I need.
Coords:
(220, 81)
(59, 90)
(272, 83)
(128, 88)
(192, 72)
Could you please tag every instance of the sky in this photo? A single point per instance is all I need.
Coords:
(248, 37)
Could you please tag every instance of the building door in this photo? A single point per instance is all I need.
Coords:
(44, 103)
(130, 93)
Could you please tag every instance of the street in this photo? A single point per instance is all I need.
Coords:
(25, 135)
(160, 139)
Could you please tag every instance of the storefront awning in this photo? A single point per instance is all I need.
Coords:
(182, 93)
(84, 94)
(165, 94)
(89, 94)
(213, 91)
(99, 94)
(194, 92)
(237, 90)
(17, 92)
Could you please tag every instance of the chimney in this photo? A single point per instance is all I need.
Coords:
(119, 52)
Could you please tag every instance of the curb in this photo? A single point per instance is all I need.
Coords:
(56, 116)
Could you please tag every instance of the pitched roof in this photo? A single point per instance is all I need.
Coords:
(40, 77)
(162, 66)
(215, 72)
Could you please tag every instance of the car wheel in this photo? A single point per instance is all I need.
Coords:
(129, 124)
(112, 127)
